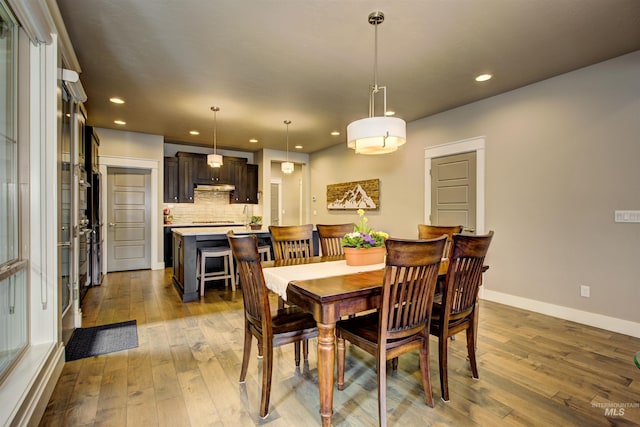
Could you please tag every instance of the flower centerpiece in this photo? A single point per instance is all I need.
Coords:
(364, 245)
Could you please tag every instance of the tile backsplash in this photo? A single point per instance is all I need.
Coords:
(211, 206)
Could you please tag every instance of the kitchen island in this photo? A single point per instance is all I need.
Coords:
(187, 241)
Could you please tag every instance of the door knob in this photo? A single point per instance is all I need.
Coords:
(112, 224)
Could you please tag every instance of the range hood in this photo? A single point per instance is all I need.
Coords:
(215, 187)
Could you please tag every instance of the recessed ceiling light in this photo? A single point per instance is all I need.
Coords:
(335, 133)
(390, 113)
(194, 132)
(117, 100)
(483, 77)
(120, 122)
(253, 141)
(299, 147)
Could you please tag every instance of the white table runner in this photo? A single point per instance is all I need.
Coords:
(277, 278)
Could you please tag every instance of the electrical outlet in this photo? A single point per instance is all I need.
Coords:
(585, 291)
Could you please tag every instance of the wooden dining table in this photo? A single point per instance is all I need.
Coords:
(328, 299)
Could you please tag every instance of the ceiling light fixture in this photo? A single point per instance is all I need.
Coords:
(194, 132)
(335, 133)
(287, 167)
(116, 100)
(376, 135)
(483, 77)
(214, 160)
(120, 122)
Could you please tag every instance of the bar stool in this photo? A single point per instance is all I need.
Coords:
(265, 252)
(227, 273)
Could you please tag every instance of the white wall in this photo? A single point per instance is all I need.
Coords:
(561, 156)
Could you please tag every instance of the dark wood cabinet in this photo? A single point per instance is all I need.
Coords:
(246, 183)
(183, 172)
(205, 174)
(185, 178)
(252, 184)
(171, 180)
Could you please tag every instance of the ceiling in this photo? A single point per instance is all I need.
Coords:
(311, 62)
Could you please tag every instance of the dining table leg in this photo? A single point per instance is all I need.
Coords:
(326, 367)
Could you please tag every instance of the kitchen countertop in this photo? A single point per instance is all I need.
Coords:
(203, 224)
(200, 231)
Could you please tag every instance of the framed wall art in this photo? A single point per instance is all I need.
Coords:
(354, 195)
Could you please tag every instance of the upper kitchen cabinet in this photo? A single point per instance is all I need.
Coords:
(246, 183)
(205, 174)
(171, 180)
(185, 177)
(183, 172)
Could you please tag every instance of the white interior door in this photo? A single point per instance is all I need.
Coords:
(453, 190)
(276, 201)
(128, 219)
(476, 145)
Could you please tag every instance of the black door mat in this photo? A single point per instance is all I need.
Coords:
(97, 340)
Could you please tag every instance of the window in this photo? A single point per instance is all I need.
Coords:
(13, 273)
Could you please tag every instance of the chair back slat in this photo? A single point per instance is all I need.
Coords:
(292, 241)
(426, 231)
(331, 235)
(409, 284)
(464, 275)
(254, 290)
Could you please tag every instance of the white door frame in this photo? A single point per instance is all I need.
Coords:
(476, 144)
(121, 162)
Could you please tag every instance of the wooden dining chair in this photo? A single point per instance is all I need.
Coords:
(455, 311)
(402, 322)
(292, 241)
(330, 236)
(289, 325)
(426, 231)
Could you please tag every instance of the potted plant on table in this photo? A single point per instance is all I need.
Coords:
(364, 246)
(255, 223)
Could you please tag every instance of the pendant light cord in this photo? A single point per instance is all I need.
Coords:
(215, 127)
(287, 122)
(375, 59)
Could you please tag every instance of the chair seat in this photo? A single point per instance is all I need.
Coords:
(292, 318)
(365, 327)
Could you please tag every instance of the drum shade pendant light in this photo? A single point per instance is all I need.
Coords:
(382, 134)
(287, 167)
(214, 160)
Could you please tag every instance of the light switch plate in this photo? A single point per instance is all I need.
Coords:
(627, 216)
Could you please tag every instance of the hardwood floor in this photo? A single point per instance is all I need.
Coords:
(534, 371)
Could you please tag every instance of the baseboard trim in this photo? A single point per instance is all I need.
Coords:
(584, 317)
